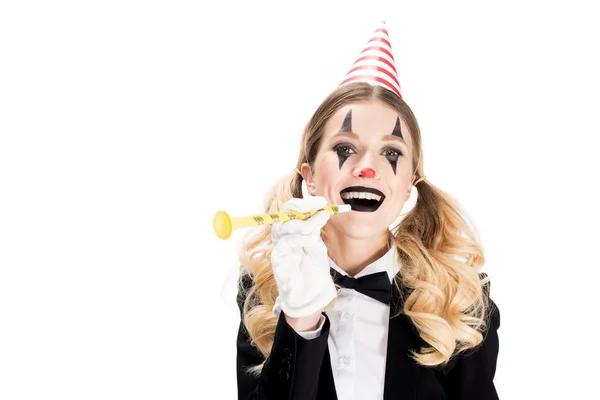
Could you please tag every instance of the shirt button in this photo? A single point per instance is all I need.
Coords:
(344, 361)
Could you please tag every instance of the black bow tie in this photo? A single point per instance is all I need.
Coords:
(376, 286)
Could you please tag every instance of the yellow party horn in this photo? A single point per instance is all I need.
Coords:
(224, 225)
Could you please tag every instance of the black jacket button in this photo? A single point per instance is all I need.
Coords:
(284, 375)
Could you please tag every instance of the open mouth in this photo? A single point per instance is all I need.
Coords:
(362, 198)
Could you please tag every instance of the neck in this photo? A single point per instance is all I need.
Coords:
(352, 255)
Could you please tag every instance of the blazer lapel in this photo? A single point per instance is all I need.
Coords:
(401, 371)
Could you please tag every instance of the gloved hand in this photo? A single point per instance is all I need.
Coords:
(299, 260)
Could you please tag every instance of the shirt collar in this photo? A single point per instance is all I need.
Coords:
(388, 263)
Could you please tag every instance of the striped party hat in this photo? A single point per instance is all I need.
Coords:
(375, 64)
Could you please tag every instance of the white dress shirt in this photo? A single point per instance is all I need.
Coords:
(358, 336)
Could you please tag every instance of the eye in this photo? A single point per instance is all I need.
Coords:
(343, 149)
(346, 150)
(393, 153)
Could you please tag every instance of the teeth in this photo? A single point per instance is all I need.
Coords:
(361, 195)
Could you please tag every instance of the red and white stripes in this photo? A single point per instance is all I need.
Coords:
(375, 64)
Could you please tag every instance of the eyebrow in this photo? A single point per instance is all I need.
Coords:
(392, 138)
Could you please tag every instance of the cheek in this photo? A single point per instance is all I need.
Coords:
(400, 181)
(328, 164)
(405, 166)
(386, 167)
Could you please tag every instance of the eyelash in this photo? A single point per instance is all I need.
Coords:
(343, 145)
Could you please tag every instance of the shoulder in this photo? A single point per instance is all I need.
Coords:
(480, 359)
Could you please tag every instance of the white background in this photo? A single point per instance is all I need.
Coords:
(126, 125)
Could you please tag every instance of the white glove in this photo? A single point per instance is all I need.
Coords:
(300, 262)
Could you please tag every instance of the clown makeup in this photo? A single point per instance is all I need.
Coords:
(364, 160)
(347, 125)
(346, 128)
(363, 135)
(397, 129)
(363, 145)
(393, 153)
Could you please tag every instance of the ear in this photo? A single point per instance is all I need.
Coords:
(308, 178)
(410, 186)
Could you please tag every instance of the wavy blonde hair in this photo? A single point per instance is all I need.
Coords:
(438, 249)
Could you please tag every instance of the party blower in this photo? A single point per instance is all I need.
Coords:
(224, 225)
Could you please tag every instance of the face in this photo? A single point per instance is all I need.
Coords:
(365, 160)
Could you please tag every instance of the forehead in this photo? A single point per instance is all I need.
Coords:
(371, 120)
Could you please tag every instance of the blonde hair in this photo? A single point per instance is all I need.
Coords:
(438, 249)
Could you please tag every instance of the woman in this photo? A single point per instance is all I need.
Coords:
(343, 307)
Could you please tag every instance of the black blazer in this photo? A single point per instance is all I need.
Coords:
(301, 369)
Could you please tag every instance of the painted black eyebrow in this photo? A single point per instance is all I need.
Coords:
(347, 124)
(397, 129)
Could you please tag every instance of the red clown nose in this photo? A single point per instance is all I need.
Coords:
(368, 173)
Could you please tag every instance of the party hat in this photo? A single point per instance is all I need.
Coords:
(375, 64)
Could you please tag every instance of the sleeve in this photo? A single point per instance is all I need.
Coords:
(292, 369)
(309, 335)
(472, 375)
